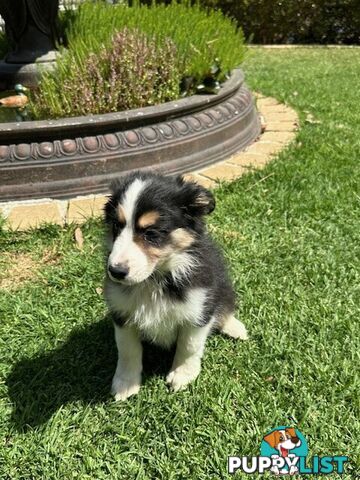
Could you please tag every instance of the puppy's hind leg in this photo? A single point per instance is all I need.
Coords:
(232, 327)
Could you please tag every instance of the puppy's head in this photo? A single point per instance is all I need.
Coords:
(152, 220)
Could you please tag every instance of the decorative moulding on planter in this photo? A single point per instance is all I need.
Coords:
(81, 155)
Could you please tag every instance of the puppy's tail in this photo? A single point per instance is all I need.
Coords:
(232, 327)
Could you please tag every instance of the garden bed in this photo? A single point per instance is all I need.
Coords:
(76, 156)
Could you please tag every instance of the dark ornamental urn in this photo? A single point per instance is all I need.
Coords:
(30, 26)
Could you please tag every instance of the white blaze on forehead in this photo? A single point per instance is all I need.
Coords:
(125, 250)
(130, 199)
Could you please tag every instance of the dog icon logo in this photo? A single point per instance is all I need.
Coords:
(284, 451)
(284, 445)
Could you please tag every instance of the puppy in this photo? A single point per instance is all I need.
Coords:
(165, 279)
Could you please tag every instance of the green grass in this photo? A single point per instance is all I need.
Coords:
(295, 265)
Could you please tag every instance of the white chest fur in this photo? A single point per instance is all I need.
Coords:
(156, 315)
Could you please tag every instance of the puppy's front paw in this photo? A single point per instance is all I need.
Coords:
(123, 387)
(179, 378)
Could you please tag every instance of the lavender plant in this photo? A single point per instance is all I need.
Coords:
(133, 71)
(121, 57)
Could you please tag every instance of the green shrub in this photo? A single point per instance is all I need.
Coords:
(201, 38)
(297, 21)
(132, 72)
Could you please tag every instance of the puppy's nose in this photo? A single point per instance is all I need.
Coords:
(118, 271)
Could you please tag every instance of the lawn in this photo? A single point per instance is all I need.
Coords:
(292, 242)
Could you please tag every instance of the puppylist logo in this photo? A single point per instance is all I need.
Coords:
(284, 451)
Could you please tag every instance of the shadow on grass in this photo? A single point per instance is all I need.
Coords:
(80, 369)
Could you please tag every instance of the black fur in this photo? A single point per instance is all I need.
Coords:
(211, 273)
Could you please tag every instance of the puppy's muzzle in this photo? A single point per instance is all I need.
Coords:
(118, 271)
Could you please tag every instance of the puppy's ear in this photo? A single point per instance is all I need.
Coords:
(118, 184)
(115, 187)
(109, 209)
(271, 439)
(195, 199)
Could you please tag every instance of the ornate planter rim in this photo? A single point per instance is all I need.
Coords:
(102, 123)
(82, 155)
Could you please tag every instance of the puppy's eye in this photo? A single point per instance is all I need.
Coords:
(281, 438)
(151, 236)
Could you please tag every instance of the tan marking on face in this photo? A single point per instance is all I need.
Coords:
(181, 238)
(153, 253)
(121, 214)
(156, 253)
(148, 219)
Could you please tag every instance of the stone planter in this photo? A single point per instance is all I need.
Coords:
(81, 155)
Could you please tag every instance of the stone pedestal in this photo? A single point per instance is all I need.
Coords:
(28, 74)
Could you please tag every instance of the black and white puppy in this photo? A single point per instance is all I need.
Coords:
(165, 281)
